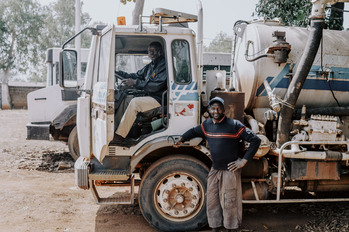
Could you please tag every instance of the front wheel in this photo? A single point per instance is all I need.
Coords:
(172, 194)
(73, 144)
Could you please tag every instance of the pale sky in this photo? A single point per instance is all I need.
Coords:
(219, 15)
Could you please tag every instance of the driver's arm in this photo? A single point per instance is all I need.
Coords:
(126, 75)
(140, 74)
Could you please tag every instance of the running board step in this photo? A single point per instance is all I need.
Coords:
(109, 175)
(123, 199)
(120, 200)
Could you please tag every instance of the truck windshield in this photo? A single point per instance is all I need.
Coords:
(131, 63)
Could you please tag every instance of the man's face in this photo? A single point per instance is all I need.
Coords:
(153, 53)
(217, 111)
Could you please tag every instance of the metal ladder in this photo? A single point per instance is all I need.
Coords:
(112, 176)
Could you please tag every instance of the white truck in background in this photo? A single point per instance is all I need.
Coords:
(216, 61)
(52, 110)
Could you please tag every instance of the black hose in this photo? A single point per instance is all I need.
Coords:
(255, 58)
(295, 87)
(333, 111)
(330, 87)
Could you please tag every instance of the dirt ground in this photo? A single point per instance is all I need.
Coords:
(36, 196)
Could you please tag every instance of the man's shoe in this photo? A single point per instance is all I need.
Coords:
(118, 139)
(128, 142)
(230, 230)
(215, 229)
(123, 142)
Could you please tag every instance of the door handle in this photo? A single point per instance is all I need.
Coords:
(95, 113)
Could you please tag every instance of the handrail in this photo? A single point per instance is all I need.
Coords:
(163, 109)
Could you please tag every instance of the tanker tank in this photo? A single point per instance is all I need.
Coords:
(327, 80)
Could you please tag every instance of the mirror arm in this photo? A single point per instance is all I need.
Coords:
(93, 30)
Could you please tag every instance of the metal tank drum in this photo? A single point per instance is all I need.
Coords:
(333, 57)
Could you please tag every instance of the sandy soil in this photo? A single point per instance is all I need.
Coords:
(36, 196)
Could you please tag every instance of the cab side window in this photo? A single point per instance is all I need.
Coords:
(181, 61)
(104, 57)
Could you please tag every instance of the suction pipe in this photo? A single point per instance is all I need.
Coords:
(307, 59)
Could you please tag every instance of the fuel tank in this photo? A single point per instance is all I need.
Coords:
(328, 77)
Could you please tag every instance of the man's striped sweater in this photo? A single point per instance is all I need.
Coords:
(223, 140)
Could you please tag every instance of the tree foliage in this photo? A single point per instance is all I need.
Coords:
(28, 29)
(3, 47)
(21, 22)
(124, 1)
(60, 24)
(221, 43)
(59, 27)
(334, 19)
(291, 12)
(297, 12)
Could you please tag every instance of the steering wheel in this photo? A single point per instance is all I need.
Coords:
(119, 77)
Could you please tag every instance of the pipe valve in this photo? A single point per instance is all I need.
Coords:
(280, 48)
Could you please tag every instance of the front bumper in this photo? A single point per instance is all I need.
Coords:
(38, 131)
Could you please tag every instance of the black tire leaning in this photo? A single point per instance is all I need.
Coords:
(73, 144)
(189, 175)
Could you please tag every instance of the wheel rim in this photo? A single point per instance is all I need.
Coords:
(178, 197)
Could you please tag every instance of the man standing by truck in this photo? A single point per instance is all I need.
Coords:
(224, 194)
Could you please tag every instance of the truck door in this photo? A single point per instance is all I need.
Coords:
(184, 88)
(102, 103)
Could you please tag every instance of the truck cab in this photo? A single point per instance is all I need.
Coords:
(183, 98)
(172, 181)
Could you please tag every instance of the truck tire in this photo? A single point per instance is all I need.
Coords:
(73, 144)
(172, 194)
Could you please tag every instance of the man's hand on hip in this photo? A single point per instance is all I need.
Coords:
(178, 143)
(236, 165)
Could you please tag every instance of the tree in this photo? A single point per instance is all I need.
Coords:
(60, 24)
(27, 30)
(297, 12)
(221, 43)
(291, 12)
(334, 19)
(59, 27)
(138, 10)
(3, 47)
(21, 22)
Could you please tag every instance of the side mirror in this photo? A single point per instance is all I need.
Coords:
(68, 68)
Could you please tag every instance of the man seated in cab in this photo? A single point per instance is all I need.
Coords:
(152, 79)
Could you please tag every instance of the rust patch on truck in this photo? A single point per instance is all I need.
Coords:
(314, 170)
